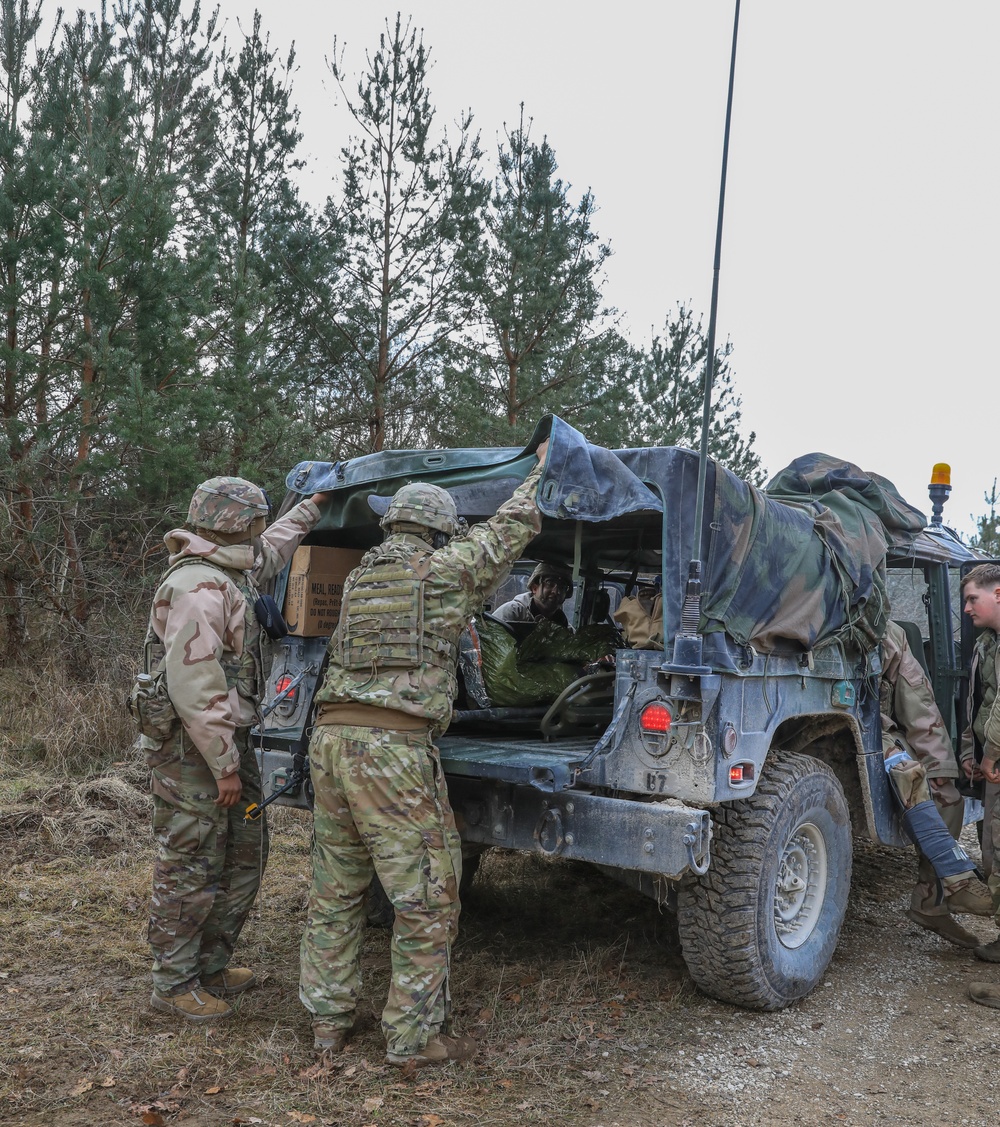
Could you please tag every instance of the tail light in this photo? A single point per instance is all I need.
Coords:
(655, 718)
(287, 704)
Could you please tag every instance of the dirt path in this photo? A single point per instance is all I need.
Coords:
(575, 988)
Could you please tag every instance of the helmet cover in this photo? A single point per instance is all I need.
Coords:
(423, 504)
(227, 504)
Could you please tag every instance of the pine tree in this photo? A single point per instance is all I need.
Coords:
(408, 218)
(668, 404)
(987, 537)
(548, 343)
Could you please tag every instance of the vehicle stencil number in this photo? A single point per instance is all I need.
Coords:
(655, 782)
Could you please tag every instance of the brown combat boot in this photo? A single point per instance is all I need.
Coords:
(973, 900)
(229, 981)
(438, 1050)
(329, 1038)
(947, 928)
(985, 994)
(195, 1005)
(989, 952)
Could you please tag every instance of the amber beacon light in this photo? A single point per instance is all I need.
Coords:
(939, 489)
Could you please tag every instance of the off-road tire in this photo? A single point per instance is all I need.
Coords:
(796, 822)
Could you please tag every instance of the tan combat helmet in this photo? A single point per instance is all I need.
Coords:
(228, 505)
(420, 503)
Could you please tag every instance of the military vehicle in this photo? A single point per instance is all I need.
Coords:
(724, 771)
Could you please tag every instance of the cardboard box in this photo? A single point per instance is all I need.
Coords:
(316, 588)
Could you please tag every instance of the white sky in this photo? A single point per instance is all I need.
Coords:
(858, 280)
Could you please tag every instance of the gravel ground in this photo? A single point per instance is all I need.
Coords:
(889, 1037)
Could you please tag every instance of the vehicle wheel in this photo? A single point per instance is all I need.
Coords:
(759, 928)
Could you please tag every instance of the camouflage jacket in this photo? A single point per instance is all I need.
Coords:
(203, 618)
(909, 710)
(456, 581)
(984, 721)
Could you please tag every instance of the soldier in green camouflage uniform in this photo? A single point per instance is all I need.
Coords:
(204, 637)
(981, 602)
(911, 721)
(381, 803)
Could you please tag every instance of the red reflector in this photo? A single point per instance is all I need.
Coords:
(283, 683)
(655, 718)
(741, 773)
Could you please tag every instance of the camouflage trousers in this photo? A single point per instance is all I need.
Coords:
(381, 806)
(991, 845)
(208, 863)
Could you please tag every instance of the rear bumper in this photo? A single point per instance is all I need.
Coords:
(656, 837)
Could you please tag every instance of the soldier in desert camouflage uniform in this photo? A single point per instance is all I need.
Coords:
(381, 803)
(912, 722)
(204, 637)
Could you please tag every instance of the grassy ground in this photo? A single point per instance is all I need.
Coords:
(567, 981)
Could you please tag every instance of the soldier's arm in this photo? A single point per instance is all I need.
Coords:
(991, 730)
(194, 625)
(486, 553)
(279, 541)
(920, 719)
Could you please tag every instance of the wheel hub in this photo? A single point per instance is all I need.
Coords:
(800, 888)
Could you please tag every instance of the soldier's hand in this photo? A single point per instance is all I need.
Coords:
(230, 789)
(991, 772)
(542, 450)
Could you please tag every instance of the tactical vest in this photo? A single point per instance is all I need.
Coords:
(382, 625)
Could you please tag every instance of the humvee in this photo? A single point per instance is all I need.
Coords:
(726, 781)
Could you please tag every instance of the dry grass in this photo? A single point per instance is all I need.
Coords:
(567, 981)
(69, 726)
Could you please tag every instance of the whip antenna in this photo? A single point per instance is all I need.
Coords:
(687, 643)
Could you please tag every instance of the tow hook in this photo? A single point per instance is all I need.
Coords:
(696, 841)
(549, 831)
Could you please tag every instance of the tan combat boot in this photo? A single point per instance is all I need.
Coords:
(438, 1050)
(195, 1005)
(947, 928)
(329, 1038)
(989, 952)
(973, 900)
(986, 994)
(229, 981)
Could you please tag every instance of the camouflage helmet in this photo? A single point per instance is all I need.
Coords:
(227, 504)
(548, 570)
(427, 505)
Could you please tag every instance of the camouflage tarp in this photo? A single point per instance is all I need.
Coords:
(796, 564)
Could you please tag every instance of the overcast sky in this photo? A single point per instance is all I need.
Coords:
(859, 284)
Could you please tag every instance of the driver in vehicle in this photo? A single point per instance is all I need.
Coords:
(549, 586)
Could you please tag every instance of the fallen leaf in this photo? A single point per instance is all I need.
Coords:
(301, 1117)
(214, 1090)
(108, 1082)
(373, 1103)
(81, 1086)
(152, 1119)
(351, 1071)
(515, 998)
(485, 1015)
(525, 1106)
(431, 1120)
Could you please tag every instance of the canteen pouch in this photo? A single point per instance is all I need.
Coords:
(151, 707)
